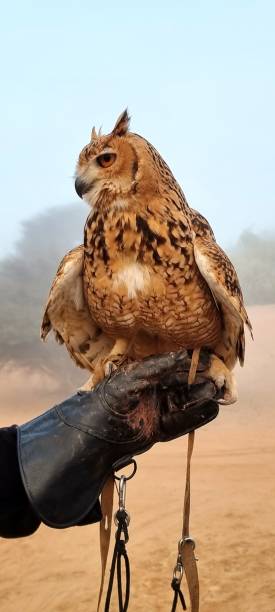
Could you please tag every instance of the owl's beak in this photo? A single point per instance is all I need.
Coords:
(80, 187)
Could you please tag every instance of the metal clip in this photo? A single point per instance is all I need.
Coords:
(178, 572)
(178, 569)
(122, 492)
(121, 502)
(188, 540)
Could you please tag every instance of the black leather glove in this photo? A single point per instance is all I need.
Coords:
(154, 396)
(67, 454)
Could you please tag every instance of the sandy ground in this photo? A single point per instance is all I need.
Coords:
(232, 517)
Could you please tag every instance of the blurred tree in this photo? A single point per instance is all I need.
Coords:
(25, 278)
(254, 259)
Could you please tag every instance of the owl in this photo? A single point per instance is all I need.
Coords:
(154, 277)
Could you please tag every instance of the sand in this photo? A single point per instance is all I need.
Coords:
(232, 515)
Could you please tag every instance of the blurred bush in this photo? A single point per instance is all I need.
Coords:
(25, 278)
(254, 259)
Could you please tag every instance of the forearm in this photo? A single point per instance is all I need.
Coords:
(53, 469)
(17, 517)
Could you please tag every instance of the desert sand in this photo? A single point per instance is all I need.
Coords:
(232, 513)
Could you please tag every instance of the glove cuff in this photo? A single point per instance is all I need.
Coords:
(66, 455)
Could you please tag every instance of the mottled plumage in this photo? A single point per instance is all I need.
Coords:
(68, 315)
(154, 277)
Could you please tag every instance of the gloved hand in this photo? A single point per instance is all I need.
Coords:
(154, 396)
(67, 454)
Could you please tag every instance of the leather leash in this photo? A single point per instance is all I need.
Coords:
(122, 520)
(107, 500)
(186, 560)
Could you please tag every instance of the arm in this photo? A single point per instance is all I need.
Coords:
(17, 516)
(67, 454)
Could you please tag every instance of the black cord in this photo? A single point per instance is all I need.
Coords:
(119, 552)
(178, 594)
(122, 552)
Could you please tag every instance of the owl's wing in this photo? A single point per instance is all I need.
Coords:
(221, 277)
(67, 314)
(65, 286)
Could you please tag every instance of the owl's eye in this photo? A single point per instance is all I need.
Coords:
(106, 159)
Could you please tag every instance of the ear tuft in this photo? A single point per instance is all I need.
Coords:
(122, 124)
(93, 134)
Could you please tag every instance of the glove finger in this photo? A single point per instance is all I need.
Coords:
(201, 390)
(139, 376)
(167, 369)
(181, 422)
(178, 378)
(203, 364)
(156, 366)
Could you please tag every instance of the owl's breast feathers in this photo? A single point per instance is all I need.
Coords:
(140, 275)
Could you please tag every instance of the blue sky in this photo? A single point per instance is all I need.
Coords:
(198, 79)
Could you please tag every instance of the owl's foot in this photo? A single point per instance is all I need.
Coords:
(114, 359)
(104, 368)
(88, 386)
(95, 378)
(112, 364)
(223, 379)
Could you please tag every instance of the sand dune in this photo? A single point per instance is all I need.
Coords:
(232, 517)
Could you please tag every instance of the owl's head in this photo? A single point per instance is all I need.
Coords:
(115, 168)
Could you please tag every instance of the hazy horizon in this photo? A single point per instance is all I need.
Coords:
(198, 80)
(26, 276)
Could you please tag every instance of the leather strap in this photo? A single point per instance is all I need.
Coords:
(187, 544)
(107, 499)
(193, 367)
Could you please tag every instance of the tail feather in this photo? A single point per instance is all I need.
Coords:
(240, 346)
(46, 327)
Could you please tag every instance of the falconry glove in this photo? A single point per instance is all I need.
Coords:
(67, 454)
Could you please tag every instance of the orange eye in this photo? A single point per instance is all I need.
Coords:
(106, 159)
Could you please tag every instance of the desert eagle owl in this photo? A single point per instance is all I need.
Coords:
(154, 278)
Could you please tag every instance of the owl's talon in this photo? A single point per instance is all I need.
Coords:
(230, 397)
(110, 365)
(223, 379)
(109, 368)
(88, 385)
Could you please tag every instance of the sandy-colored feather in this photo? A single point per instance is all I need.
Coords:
(67, 314)
(221, 277)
